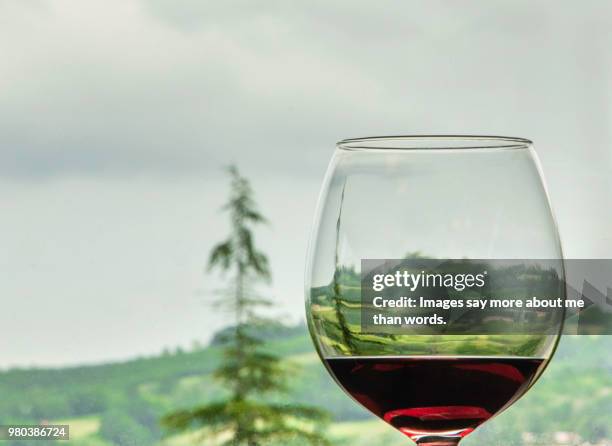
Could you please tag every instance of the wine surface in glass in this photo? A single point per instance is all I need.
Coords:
(427, 396)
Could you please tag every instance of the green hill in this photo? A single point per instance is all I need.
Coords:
(120, 403)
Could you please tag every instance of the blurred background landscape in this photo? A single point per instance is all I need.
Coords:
(121, 403)
(116, 119)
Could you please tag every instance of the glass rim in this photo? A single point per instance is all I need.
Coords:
(435, 142)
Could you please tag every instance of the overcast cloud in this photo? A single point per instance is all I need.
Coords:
(116, 116)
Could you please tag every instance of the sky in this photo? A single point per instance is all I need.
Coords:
(117, 118)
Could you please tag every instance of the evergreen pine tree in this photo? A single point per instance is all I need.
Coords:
(248, 370)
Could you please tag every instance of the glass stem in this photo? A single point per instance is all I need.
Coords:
(438, 441)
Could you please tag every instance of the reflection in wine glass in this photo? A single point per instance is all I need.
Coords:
(444, 197)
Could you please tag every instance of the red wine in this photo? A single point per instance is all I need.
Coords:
(432, 396)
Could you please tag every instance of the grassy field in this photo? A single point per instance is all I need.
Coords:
(121, 403)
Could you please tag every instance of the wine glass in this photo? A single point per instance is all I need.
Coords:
(435, 197)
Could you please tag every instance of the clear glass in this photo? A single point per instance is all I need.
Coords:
(446, 197)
